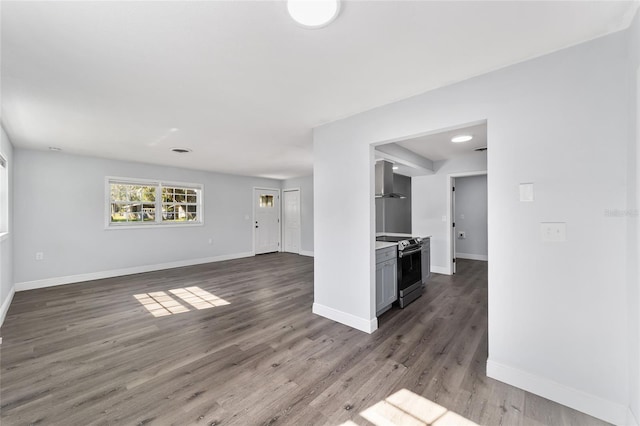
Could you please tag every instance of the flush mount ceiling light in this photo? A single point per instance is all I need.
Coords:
(395, 167)
(461, 138)
(313, 13)
(180, 150)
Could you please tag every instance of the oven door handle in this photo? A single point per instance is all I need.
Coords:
(407, 253)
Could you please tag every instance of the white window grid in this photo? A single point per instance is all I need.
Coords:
(139, 212)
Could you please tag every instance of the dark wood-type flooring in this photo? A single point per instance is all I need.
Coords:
(91, 353)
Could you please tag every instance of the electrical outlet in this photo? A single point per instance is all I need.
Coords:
(39, 255)
(553, 231)
(462, 235)
(462, 216)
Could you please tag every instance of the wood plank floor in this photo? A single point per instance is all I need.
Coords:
(92, 353)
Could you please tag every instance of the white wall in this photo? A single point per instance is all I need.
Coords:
(6, 245)
(471, 217)
(431, 202)
(633, 232)
(60, 210)
(306, 211)
(557, 311)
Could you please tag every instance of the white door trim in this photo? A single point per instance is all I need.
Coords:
(450, 219)
(299, 218)
(253, 222)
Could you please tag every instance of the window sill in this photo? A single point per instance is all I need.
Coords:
(153, 226)
(4, 236)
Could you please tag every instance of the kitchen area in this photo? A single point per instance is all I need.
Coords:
(418, 228)
(402, 259)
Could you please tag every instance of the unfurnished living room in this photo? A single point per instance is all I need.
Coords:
(319, 212)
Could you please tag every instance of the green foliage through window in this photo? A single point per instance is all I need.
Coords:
(144, 203)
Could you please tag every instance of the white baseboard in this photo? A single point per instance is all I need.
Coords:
(306, 253)
(593, 405)
(440, 270)
(472, 256)
(368, 326)
(50, 282)
(4, 308)
(632, 420)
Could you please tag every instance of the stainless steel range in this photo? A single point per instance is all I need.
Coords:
(409, 267)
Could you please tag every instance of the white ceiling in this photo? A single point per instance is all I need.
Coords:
(438, 147)
(244, 84)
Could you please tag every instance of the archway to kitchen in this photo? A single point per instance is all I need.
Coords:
(424, 167)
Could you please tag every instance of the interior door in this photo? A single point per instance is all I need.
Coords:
(266, 220)
(453, 224)
(291, 220)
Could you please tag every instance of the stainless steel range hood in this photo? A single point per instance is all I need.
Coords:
(384, 180)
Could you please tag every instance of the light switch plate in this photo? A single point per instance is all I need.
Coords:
(526, 192)
(553, 231)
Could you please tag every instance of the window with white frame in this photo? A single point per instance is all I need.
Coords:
(4, 196)
(141, 202)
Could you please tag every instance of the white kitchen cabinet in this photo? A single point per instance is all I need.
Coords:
(386, 278)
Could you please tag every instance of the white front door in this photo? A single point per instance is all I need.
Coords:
(266, 220)
(291, 220)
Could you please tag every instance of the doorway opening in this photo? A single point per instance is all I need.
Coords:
(468, 217)
(430, 161)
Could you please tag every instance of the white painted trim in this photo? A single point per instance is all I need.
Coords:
(593, 405)
(440, 270)
(50, 282)
(253, 208)
(631, 418)
(368, 326)
(5, 305)
(306, 253)
(471, 256)
(154, 225)
(299, 218)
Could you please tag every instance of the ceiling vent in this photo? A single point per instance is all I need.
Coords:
(482, 148)
(180, 150)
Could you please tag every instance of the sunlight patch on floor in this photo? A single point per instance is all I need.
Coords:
(161, 304)
(198, 298)
(405, 408)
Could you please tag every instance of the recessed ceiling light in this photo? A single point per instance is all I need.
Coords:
(55, 149)
(313, 13)
(395, 168)
(180, 150)
(461, 138)
(173, 129)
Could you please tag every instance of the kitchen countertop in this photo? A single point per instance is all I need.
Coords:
(384, 244)
(392, 234)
